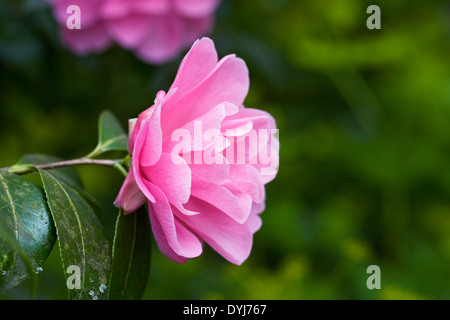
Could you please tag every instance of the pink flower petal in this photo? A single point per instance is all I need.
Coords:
(246, 179)
(130, 197)
(174, 179)
(196, 65)
(151, 147)
(230, 239)
(215, 173)
(161, 98)
(163, 41)
(195, 8)
(254, 221)
(86, 40)
(115, 8)
(89, 12)
(141, 137)
(202, 132)
(223, 199)
(182, 241)
(161, 240)
(131, 30)
(120, 8)
(154, 7)
(259, 146)
(227, 82)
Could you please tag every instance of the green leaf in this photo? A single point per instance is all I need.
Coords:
(111, 136)
(67, 174)
(131, 256)
(81, 237)
(27, 233)
(9, 280)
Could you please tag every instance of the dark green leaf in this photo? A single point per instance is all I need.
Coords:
(12, 278)
(131, 256)
(27, 233)
(111, 136)
(81, 237)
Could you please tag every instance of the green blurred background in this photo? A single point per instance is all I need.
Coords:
(364, 120)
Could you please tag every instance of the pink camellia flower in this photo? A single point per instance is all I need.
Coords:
(200, 159)
(156, 30)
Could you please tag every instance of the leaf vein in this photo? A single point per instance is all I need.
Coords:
(15, 215)
(79, 226)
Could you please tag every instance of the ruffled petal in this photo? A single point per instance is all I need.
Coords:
(227, 82)
(172, 175)
(246, 179)
(236, 207)
(196, 65)
(230, 239)
(170, 232)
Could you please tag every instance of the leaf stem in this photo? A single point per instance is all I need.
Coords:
(28, 168)
(119, 166)
(94, 153)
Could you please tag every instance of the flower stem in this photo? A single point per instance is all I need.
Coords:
(28, 168)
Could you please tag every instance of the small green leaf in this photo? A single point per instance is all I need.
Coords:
(111, 136)
(131, 256)
(81, 237)
(27, 233)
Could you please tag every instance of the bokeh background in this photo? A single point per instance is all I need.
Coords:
(364, 120)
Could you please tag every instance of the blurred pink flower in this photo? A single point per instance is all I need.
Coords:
(156, 30)
(200, 159)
